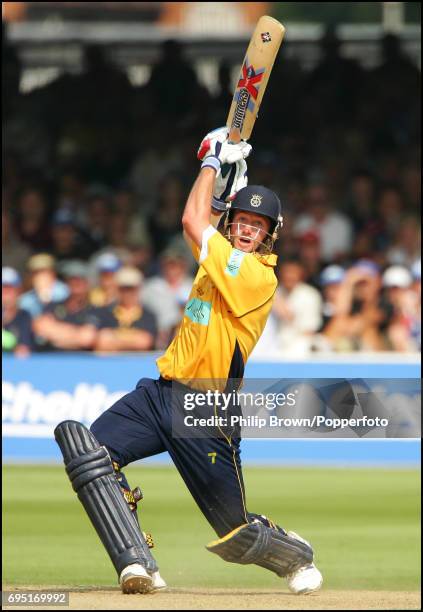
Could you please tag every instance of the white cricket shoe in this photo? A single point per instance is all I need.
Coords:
(158, 583)
(306, 579)
(135, 579)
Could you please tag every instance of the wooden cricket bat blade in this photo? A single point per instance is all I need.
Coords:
(254, 76)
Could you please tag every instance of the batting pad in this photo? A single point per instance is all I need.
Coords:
(91, 473)
(256, 543)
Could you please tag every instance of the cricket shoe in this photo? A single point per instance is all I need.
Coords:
(306, 579)
(135, 579)
(158, 584)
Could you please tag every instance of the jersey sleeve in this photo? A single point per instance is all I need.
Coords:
(214, 222)
(244, 282)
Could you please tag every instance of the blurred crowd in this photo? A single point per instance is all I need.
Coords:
(96, 173)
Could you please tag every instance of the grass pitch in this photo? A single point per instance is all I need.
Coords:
(363, 523)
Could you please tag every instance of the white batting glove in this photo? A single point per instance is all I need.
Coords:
(226, 187)
(215, 150)
(220, 134)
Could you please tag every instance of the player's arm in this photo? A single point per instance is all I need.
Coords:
(196, 217)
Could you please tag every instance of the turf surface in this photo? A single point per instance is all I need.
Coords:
(363, 523)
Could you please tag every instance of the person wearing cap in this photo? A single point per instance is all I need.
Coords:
(105, 292)
(126, 325)
(68, 324)
(331, 279)
(404, 328)
(46, 287)
(17, 336)
(229, 303)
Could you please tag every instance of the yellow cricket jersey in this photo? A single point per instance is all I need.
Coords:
(225, 314)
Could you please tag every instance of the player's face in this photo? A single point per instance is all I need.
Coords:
(248, 230)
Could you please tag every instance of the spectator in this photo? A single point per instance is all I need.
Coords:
(390, 210)
(309, 255)
(407, 243)
(360, 315)
(223, 97)
(361, 204)
(335, 81)
(127, 247)
(127, 326)
(71, 189)
(173, 82)
(31, 224)
(68, 325)
(175, 263)
(165, 223)
(149, 169)
(297, 309)
(105, 293)
(46, 288)
(124, 204)
(98, 217)
(412, 185)
(404, 326)
(166, 294)
(68, 242)
(288, 247)
(333, 228)
(118, 231)
(331, 280)
(16, 323)
(141, 257)
(14, 252)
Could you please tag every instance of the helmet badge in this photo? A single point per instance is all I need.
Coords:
(256, 200)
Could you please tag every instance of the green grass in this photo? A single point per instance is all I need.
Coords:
(363, 523)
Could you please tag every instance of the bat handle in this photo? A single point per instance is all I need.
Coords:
(234, 135)
(234, 138)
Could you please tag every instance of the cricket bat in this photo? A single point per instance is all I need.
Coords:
(253, 78)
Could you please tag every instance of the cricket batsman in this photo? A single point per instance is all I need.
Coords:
(230, 301)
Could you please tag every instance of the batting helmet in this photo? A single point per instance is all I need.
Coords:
(260, 201)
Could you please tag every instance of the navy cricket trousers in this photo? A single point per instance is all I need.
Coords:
(139, 425)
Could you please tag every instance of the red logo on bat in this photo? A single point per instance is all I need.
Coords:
(250, 78)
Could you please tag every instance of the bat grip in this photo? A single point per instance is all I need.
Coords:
(234, 135)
